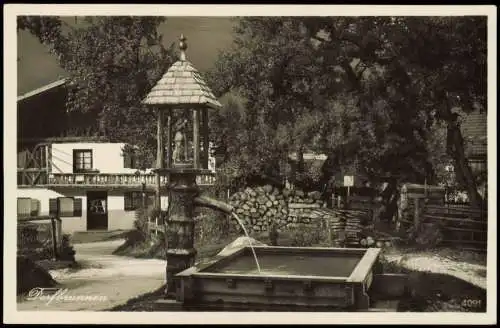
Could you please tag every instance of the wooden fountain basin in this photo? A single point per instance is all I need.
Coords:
(333, 278)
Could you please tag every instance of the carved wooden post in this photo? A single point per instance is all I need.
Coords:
(182, 188)
(180, 228)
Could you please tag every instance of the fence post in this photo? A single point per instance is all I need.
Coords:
(54, 237)
(59, 233)
(416, 214)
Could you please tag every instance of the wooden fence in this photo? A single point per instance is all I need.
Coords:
(354, 202)
(39, 237)
(463, 227)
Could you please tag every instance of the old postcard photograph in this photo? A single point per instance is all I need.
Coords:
(200, 163)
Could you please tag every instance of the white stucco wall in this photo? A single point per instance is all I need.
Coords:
(106, 157)
(118, 218)
(69, 224)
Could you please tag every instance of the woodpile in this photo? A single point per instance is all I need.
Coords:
(261, 207)
(353, 229)
(258, 207)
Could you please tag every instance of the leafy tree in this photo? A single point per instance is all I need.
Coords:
(112, 63)
(303, 93)
(366, 90)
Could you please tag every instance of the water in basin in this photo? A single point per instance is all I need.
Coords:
(307, 264)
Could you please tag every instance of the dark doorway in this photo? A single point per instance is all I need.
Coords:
(97, 210)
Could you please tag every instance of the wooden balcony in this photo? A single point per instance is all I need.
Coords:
(110, 180)
(116, 179)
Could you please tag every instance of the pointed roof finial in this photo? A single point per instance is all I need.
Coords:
(183, 46)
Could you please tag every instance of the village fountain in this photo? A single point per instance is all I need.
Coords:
(260, 277)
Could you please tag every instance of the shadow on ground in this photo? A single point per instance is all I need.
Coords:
(436, 292)
(83, 237)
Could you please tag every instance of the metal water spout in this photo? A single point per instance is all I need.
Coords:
(208, 202)
(205, 201)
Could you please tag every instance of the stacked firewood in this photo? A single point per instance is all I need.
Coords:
(353, 228)
(303, 207)
(337, 225)
(260, 206)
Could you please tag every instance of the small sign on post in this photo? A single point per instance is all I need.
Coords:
(348, 182)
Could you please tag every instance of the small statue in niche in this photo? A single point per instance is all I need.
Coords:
(178, 154)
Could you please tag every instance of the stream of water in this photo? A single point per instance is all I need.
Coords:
(249, 240)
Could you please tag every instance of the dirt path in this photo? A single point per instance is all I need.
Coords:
(105, 280)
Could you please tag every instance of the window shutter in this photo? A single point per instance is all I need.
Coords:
(23, 206)
(128, 201)
(77, 207)
(53, 206)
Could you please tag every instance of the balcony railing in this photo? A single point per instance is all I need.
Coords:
(116, 179)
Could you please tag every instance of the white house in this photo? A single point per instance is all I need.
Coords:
(92, 181)
(104, 190)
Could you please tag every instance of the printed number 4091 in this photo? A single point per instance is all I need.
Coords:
(471, 303)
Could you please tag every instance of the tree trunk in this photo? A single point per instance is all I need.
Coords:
(455, 148)
(464, 173)
(300, 159)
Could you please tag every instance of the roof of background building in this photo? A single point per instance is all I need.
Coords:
(42, 89)
(474, 132)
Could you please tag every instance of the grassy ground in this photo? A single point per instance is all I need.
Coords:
(134, 247)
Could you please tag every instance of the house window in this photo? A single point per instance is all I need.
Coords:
(133, 200)
(82, 160)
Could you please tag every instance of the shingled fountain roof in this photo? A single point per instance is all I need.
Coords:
(182, 84)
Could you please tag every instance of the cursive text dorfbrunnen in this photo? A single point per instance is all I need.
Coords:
(61, 295)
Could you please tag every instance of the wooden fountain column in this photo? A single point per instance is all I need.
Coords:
(180, 87)
(180, 223)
